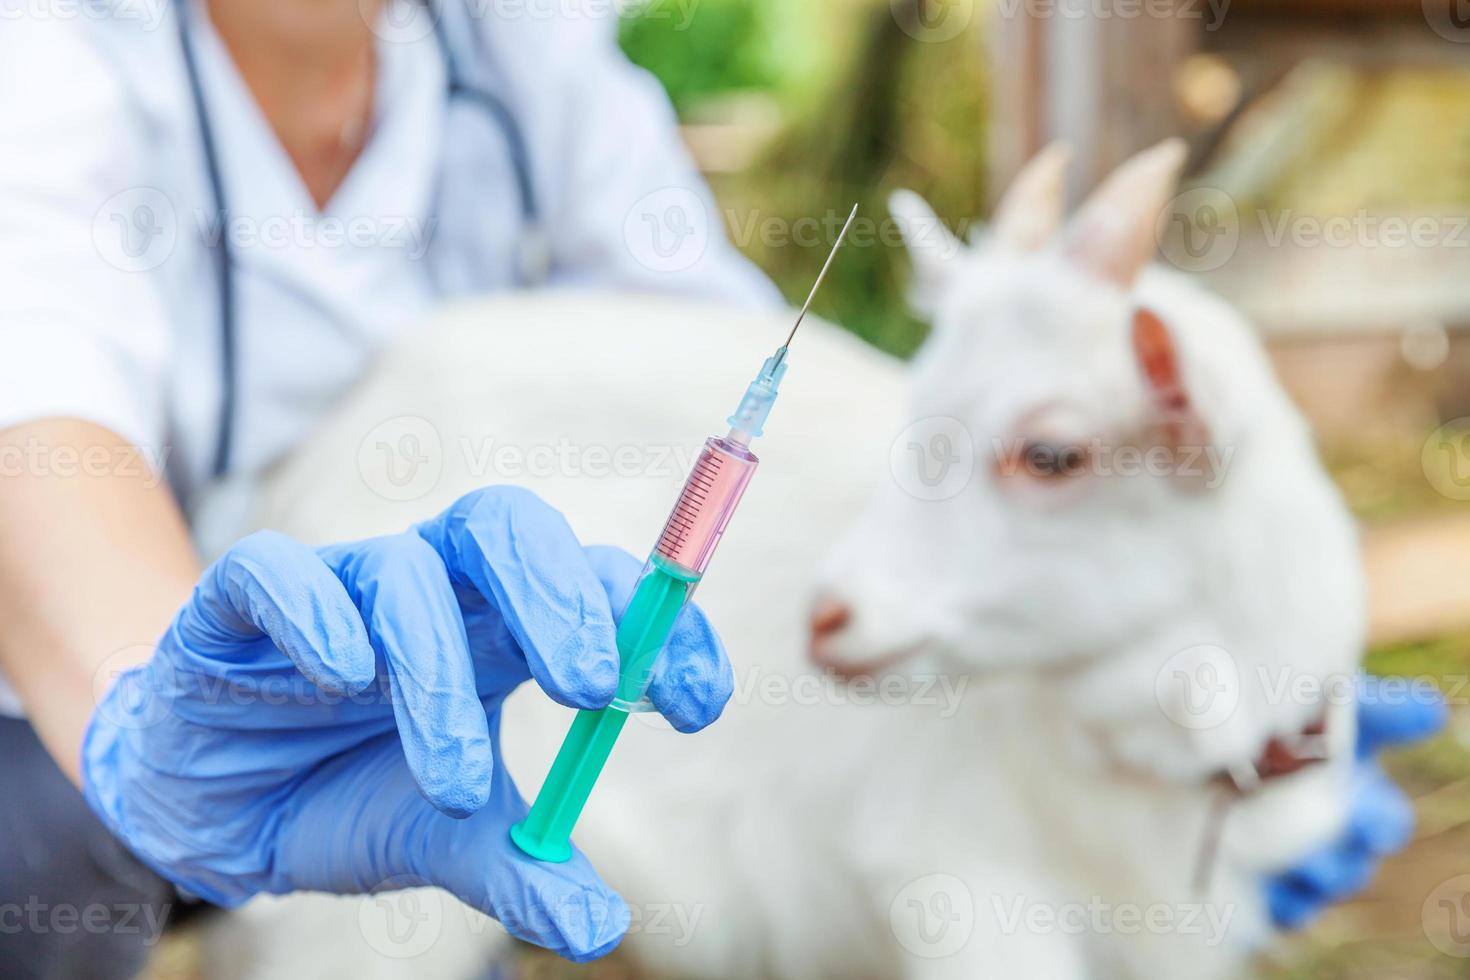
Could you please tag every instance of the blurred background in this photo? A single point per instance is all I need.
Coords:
(1328, 196)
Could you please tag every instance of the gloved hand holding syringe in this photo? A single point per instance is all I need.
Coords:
(678, 561)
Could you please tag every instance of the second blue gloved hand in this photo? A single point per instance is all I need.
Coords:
(1380, 816)
(328, 720)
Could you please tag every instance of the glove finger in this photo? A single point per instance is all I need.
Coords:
(1333, 872)
(414, 623)
(1292, 904)
(1382, 817)
(268, 585)
(566, 908)
(692, 681)
(521, 555)
(1390, 713)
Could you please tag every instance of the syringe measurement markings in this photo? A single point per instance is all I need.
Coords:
(686, 510)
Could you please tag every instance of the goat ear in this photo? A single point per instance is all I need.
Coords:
(933, 250)
(1113, 233)
(1159, 364)
(1031, 210)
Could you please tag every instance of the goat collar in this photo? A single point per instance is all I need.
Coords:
(1282, 756)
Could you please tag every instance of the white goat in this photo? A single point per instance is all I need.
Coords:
(1118, 575)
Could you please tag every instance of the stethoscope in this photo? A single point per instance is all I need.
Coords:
(532, 257)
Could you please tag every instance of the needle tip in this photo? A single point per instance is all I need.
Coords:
(841, 235)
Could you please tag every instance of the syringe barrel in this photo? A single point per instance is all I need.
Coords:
(706, 504)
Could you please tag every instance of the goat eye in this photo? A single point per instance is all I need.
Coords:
(1048, 461)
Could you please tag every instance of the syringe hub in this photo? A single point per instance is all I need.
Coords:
(749, 418)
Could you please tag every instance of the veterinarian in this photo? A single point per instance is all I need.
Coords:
(213, 213)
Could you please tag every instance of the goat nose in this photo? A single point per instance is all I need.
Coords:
(829, 616)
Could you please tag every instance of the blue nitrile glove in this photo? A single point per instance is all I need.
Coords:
(328, 720)
(1380, 819)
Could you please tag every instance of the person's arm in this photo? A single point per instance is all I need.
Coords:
(94, 558)
(94, 562)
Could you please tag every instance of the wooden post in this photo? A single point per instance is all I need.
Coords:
(1097, 73)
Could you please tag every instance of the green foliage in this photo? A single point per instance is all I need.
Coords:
(901, 113)
(868, 109)
(701, 49)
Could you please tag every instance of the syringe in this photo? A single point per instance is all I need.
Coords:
(678, 562)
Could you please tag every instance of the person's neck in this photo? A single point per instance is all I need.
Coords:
(309, 64)
(325, 37)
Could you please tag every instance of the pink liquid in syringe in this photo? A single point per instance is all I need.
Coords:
(706, 504)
